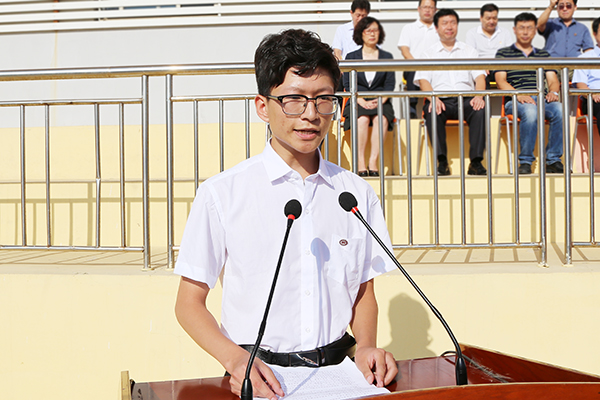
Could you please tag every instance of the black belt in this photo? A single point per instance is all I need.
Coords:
(332, 354)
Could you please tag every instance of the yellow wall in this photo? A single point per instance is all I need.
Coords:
(70, 329)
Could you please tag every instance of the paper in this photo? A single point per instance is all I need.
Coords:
(334, 382)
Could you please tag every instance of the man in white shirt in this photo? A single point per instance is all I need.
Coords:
(590, 78)
(414, 38)
(236, 227)
(343, 43)
(488, 37)
(446, 23)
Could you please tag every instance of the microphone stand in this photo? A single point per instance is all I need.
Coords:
(460, 365)
(246, 392)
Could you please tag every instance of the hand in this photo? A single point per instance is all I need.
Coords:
(477, 103)
(377, 365)
(526, 100)
(264, 383)
(596, 98)
(367, 104)
(551, 97)
(439, 106)
(553, 3)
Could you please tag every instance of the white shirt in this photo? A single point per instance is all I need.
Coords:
(343, 39)
(237, 225)
(418, 37)
(591, 77)
(488, 46)
(450, 80)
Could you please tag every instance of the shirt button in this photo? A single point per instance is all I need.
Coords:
(307, 330)
(307, 292)
(307, 252)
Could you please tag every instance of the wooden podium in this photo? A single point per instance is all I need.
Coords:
(491, 375)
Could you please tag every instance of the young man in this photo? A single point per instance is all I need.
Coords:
(565, 37)
(343, 43)
(236, 226)
(488, 37)
(414, 38)
(446, 24)
(524, 28)
(590, 78)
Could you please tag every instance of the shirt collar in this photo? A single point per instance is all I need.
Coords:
(277, 168)
(514, 46)
(438, 46)
(425, 26)
(481, 32)
(573, 21)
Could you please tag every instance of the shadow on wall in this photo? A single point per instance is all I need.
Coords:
(409, 321)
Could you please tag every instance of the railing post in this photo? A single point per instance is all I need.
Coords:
(47, 142)
(542, 164)
(381, 161)
(567, 157)
(98, 171)
(145, 171)
(169, 116)
(353, 118)
(23, 179)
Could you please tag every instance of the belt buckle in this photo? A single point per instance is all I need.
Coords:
(307, 359)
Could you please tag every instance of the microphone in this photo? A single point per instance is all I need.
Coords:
(292, 211)
(348, 202)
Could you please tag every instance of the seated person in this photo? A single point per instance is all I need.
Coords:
(590, 78)
(236, 226)
(369, 34)
(446, 23)
(524, 28)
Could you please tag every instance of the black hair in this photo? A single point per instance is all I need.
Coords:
(292, 48)
(442, 12)
(362, 25)
(362, 5)
(489, 7)
(525, 17)
(595, 24)
(420, 1)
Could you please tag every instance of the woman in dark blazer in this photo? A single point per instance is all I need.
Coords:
(369, 34)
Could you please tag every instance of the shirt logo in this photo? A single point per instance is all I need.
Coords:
(343, 242)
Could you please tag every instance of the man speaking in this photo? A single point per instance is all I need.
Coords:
(236, 226)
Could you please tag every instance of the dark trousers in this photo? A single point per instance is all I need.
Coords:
(595, 110)
(475, 120)
(411, 87)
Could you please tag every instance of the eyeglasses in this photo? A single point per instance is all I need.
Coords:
(295, 104)
(371, 31)
(565, 6)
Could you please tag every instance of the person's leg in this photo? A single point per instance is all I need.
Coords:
(554, 148)
(527, 130)
(374, 154)
(476, 121)
(362, 137)
(411, 87)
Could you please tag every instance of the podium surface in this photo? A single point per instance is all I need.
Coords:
(492, 375)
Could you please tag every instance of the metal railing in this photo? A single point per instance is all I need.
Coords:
(171, 72)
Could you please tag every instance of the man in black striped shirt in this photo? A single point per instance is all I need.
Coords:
(525, 30)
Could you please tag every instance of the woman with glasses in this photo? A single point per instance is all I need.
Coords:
(369, 34)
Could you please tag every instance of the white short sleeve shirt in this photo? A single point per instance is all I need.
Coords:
(590, 77)
(236, 228)
(450, 80)
(488, 46)
(418, 37)
(343, 39)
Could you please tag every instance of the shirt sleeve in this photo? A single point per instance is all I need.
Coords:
(470, 38)
(588, 43)
(580, 75)
(377, 260)
(202, 253)
(404, 39)
(337, 39)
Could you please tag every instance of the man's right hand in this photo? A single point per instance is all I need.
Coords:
(264, 383)
(553, 3)
(439, 106)
(526, 99)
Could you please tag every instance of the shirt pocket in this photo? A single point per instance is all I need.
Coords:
(347, 260)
